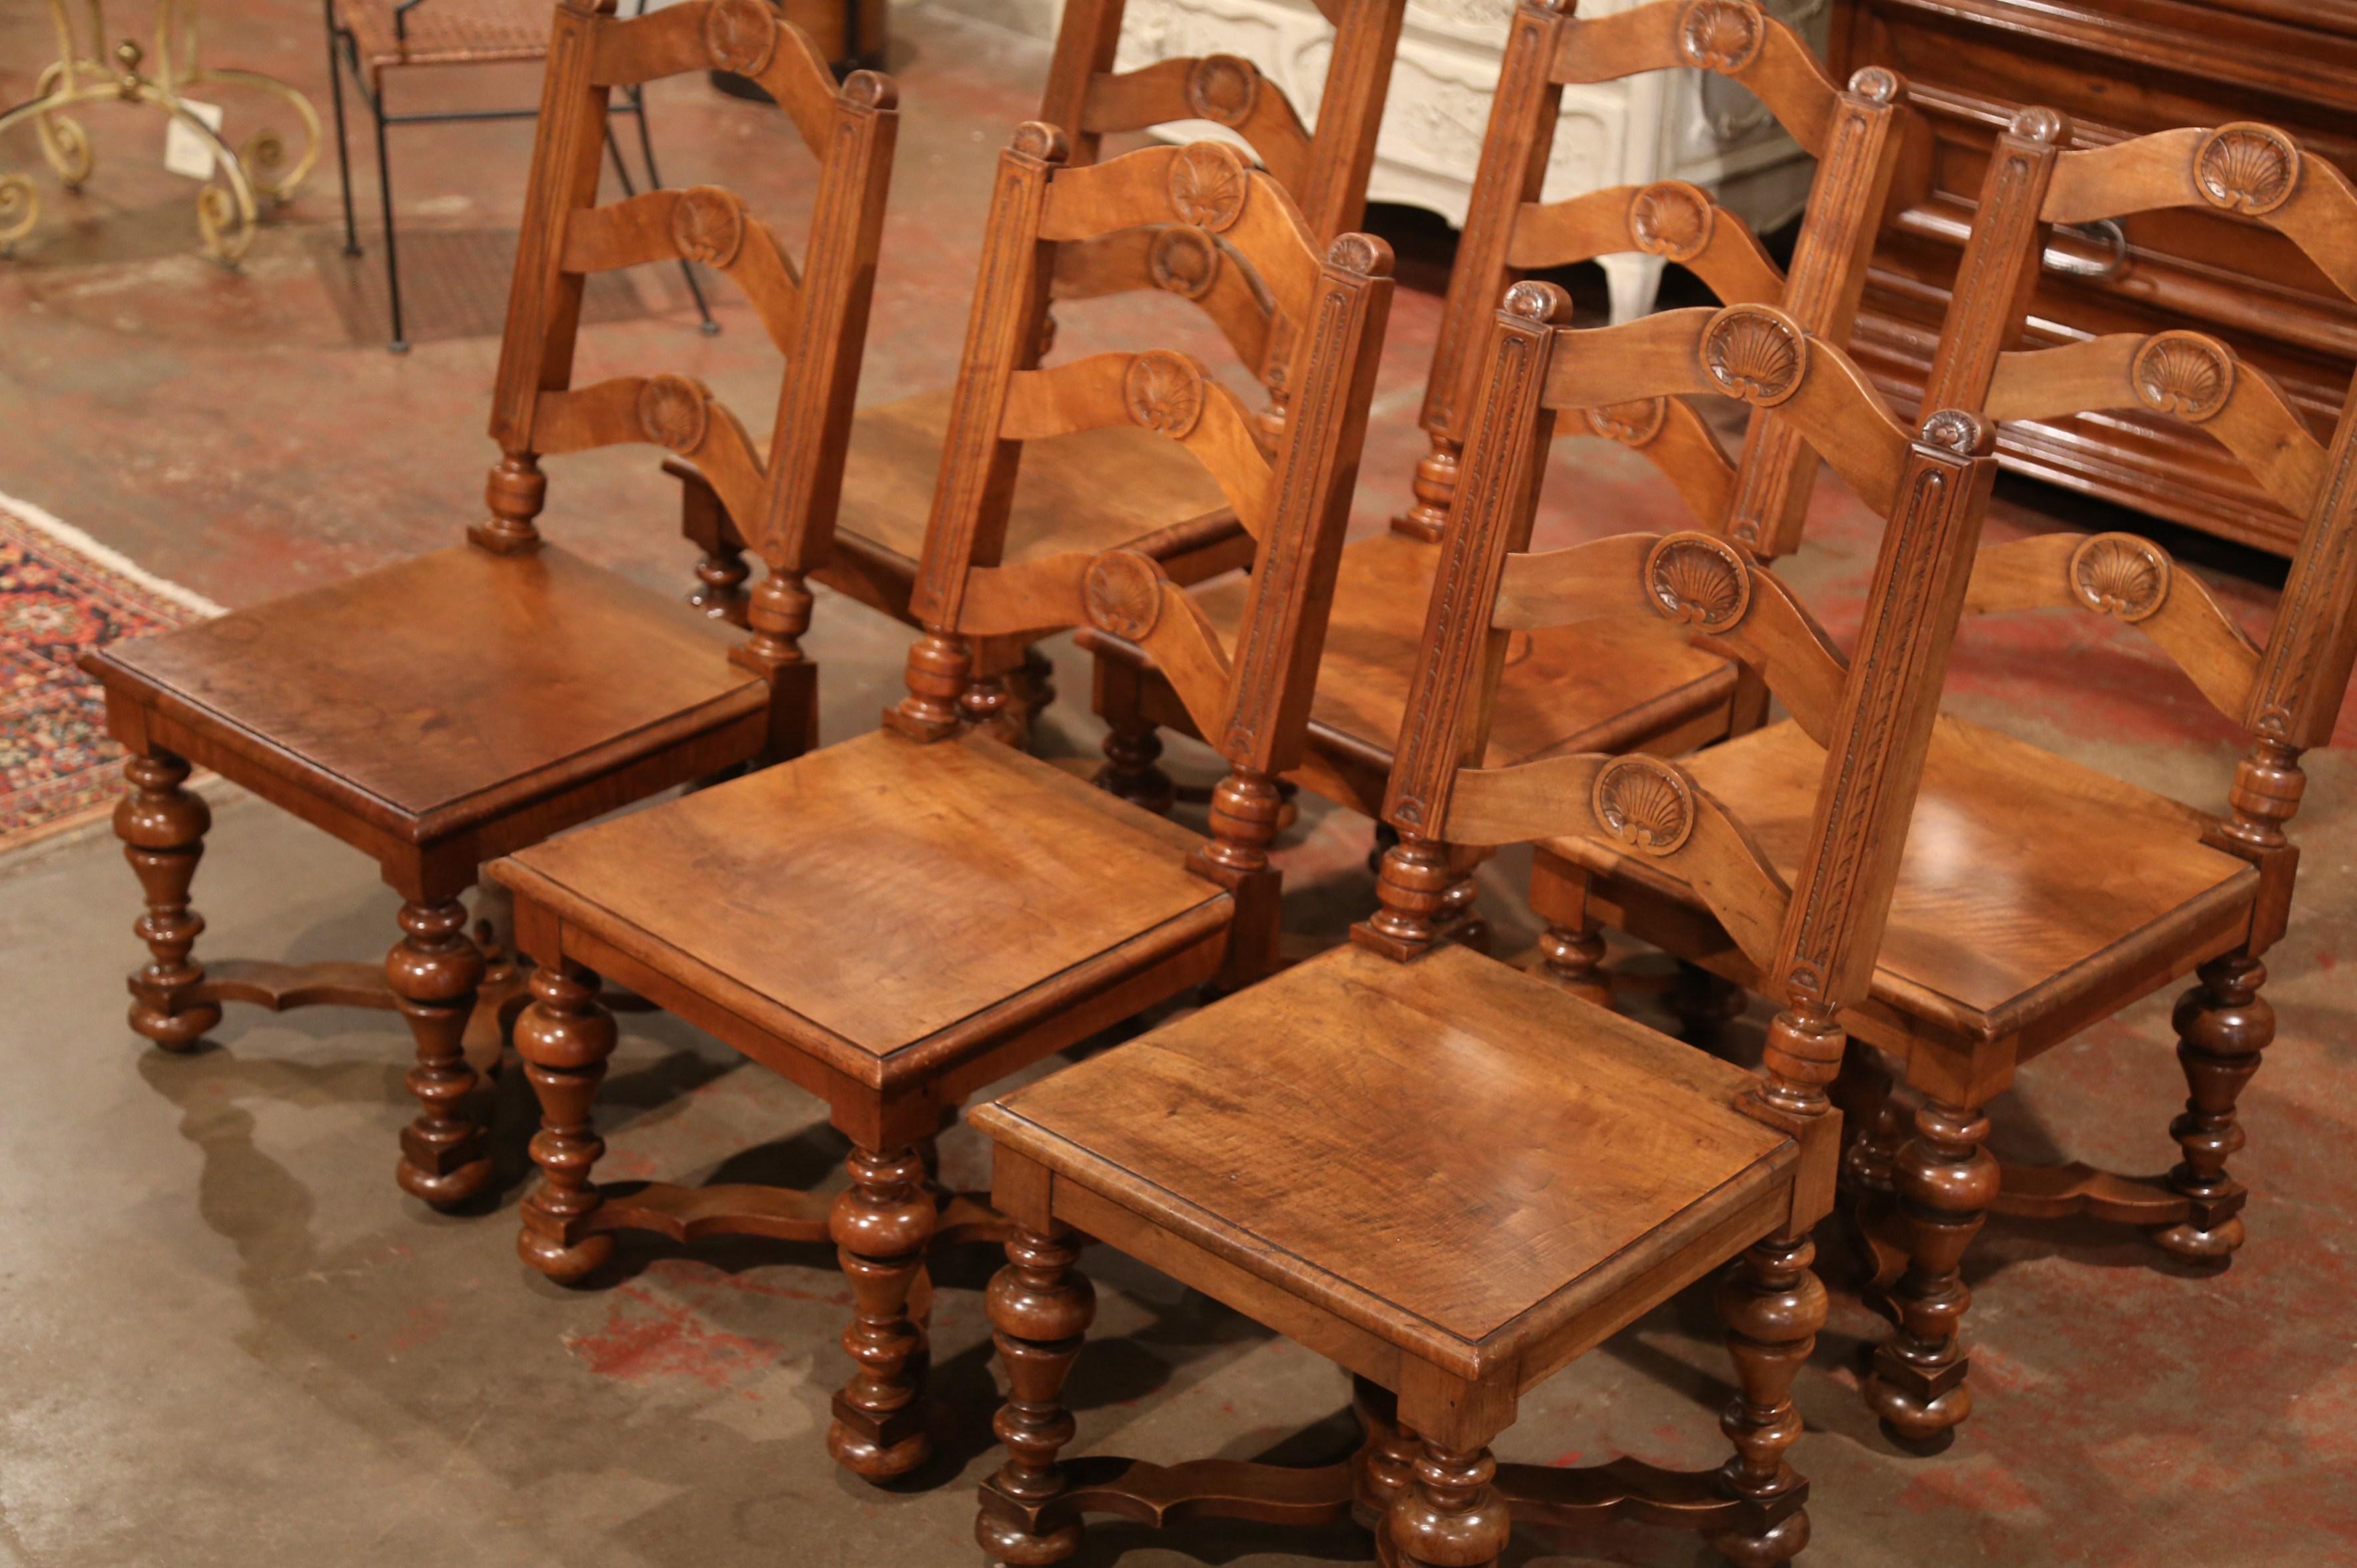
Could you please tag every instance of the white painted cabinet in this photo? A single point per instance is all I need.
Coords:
(1681, 124)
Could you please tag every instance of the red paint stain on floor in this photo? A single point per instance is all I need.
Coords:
(422, 1325)
(647, 1339)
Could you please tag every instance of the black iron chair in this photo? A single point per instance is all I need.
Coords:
(369, 37)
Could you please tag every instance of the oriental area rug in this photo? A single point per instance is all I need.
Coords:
(61, 592)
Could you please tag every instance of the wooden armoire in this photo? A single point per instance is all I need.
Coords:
(2120, 67)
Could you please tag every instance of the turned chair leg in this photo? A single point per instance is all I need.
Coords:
(2222, 1027)
(565, 1038)
(1704, 1005)
(1772, 1304)
(1034, 685)
(881, 1226)
(1451, 1515)
(1575, 960)
(435, 971)
(1133, 746)
(1040, 1307)
(163, 827)
(1946, 1182)
(1132, 750)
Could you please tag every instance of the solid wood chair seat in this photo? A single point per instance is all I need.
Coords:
(1122, 486)
(1449, 1153)
(884, 905)
(1602, 685)
(439, 693)
(2029, 884)
(446, 32)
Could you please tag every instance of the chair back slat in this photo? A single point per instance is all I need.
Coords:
(704, 223)
(739, 35)
(1223, 89)
(1754, 354)
(2190, 376)
(1734, 38)
(1104, 389)
(1679, 219)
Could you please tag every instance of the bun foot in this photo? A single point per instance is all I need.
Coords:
(565, 1265)
(2212, 1249)
(872, 1462)
(445, 1189)
(1007, 1543)
(1920, 1425)
(1778, 1543)
(175, 1032)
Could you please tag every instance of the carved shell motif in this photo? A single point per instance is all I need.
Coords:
(1208, 185)
(1644, 803)
(740, 35)
(1631, 423)
(2246, 168)
(1671, 219)
(1164, 391)
(672, 413)
(1699, 580)
(1183, 260)
(2120, 574)
(1223, 89)
(1720, 35)
(707, 224)
(1123, 594)
(1755, 354)
(2184, 374)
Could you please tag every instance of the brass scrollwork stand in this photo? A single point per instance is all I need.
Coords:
(227, 207)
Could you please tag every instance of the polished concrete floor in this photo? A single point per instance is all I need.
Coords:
(230, 1340)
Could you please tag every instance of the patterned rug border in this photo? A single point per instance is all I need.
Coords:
(95, 560)
(43, 521)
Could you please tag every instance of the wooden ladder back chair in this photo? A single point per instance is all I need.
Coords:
(784, 495)
(1583, 688)
(895, 920)
(1454, 1237)
(444, 711)
(1857, 135)
(2189, 891)
(1172, 516)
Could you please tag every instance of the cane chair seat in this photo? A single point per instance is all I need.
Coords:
(436, 692)
(446, 32)
(1113, 488)
(1602, 685)
(1449, 1153)
(2031, 885)
(884, 904)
